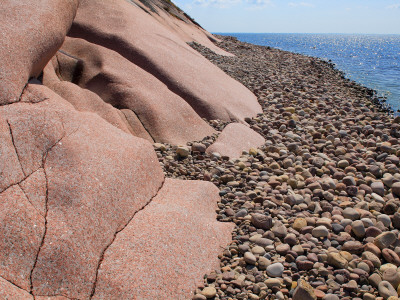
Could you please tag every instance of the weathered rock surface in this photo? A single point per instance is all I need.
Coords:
(11, 291)
(157, 261)
(135, 35)
(234, 139)
(20, 238)
(79, 183)
(85, 100)
(124, 85)
(181, 24)
(31, 33)
(83, 208)
(77, 187)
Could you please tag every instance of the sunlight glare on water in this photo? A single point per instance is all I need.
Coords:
(371, 60)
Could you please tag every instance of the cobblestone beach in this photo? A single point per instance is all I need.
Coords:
(316, 207)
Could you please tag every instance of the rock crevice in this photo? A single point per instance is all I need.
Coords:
(44, 235)
(115, 236)
(16, 150)
(46, 201)
(143, 125)
(26, 194)
(13, 283)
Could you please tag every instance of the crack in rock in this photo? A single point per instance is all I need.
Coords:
(57, 295)
(26, 195)
(44, 234)
(14, 284)
(137, 116)
(115, 236)
(16, 150)
(46, 201)
(23, 92)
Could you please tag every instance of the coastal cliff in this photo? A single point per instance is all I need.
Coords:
(87, 87)
(142, 157)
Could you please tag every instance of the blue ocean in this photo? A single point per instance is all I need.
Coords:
(371, 60)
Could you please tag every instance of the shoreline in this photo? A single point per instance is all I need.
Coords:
(376, 96)
(317, 200)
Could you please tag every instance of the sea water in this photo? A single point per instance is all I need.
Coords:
(371, 60)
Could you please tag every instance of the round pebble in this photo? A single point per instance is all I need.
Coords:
(275, 270)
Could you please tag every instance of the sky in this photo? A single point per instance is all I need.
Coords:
(292, 16)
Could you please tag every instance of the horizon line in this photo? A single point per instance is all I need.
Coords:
(220, 32)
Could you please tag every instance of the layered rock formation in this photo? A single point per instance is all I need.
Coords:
(132, 60)
(84, 92)
(32, 32)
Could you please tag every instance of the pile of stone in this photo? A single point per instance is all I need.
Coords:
(316, 207)
(308, 176)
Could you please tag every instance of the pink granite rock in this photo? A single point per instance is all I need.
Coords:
(51, 298)
(32, 138)
(34, 188)
(234, 139)
(87, 101)
(167, 247)
(135, 126)
(84, 100)
(87, 192)
(78, 189)
(97, 177)
(137, 36)
(165, 116)
(10, 291)
(10, 168)
(31, 33)
(21, 234)
(180, 23)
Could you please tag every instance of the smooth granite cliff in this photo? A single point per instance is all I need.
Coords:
(86, 88)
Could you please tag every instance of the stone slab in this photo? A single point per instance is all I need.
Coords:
(168, 246)
(234, 139)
